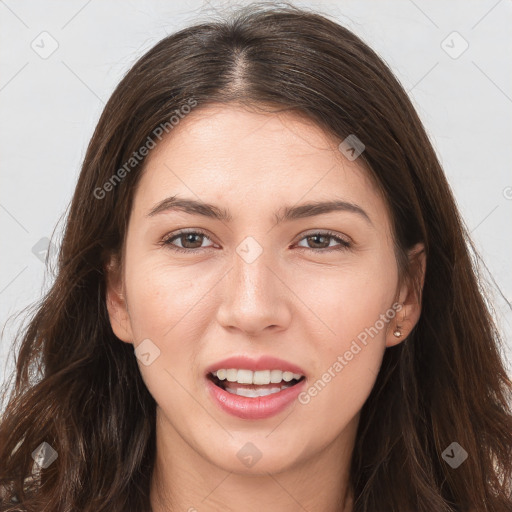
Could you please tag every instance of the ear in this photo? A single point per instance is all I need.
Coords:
(116, 301)
(409, 298)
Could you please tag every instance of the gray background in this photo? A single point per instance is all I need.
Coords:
(49, 105)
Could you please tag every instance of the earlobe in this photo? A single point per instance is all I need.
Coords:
(409, 298)
(116, 302)
(399, 328)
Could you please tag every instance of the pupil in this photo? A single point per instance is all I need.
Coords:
(189, 238)
(316, 237)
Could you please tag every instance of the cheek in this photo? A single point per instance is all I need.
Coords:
(170, 305)
(346, 301)
(165, 299)
(165, 305)
(353, 304)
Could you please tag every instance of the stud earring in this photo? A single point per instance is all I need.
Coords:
(397, 333)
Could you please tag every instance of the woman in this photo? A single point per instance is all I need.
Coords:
(265, 298)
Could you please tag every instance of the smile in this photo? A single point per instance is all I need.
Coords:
(254, 384)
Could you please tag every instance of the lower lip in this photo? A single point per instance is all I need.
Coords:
(256, 408)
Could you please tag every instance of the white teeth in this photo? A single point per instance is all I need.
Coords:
(231, 375)
(260, 377)
(287, 376)
(276, 376)
(254, 393)
(244, 377)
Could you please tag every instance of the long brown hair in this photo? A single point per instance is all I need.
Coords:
(78, 387)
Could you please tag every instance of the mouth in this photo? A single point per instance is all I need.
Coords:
(254, 388)
(255, 384)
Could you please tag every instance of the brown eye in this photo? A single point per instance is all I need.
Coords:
(188, 240)
(191, 240)
(320, 241)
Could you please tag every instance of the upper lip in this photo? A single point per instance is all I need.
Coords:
(242, 362)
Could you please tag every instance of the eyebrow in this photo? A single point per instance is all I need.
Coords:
(287, 213)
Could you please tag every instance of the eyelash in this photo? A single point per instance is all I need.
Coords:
(167, 241)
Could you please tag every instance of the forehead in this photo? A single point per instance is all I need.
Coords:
(249, 137)
(248, 160)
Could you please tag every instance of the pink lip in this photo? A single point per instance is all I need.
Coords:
(263, 363)
(254, 408)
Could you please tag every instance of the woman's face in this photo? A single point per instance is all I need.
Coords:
(246, 285)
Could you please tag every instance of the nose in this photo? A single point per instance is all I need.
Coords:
(255, 296)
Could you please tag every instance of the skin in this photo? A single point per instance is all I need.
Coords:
(296, 301)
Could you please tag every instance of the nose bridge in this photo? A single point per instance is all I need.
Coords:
(252, 298)
(251, 277)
